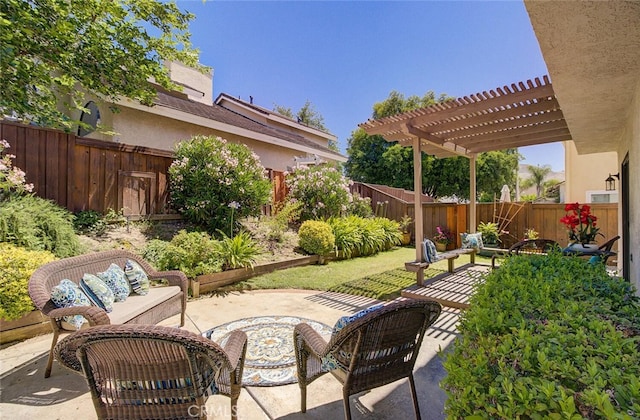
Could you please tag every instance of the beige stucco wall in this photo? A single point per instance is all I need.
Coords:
(586, 172)
(630, 145)
(144, 129)
(194, 79)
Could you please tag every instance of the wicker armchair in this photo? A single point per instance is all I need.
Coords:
(377, 349)
(605, 248)
(146, 371)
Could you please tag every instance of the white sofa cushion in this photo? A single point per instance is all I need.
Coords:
(137, 304)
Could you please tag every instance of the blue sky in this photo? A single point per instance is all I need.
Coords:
(344, 56)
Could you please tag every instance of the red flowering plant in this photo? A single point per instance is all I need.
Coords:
(580, 223)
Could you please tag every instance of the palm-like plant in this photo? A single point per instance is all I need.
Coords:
(538, 174)
(237, 252)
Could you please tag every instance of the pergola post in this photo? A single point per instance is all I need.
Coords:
(417, 209)
(473, 224)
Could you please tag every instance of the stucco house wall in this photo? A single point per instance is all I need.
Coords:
(630, 145)
(177, 116)
(199, 86)
(144, 129)
(586, 174)
(592, 52)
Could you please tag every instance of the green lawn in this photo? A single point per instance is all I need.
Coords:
(380, 276)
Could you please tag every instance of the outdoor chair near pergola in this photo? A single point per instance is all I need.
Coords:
(523, 114)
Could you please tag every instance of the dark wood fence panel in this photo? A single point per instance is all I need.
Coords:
(83, 174)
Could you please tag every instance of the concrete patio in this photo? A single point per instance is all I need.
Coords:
(26, 394)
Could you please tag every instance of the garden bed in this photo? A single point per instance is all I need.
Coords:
(30, 325)
(210, 282)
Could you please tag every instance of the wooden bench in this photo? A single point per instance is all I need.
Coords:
(419, 266)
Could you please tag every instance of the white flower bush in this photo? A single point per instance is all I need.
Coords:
(211, 181)
(322, 191)
(12, 179)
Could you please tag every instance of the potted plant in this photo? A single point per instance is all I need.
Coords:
(404, 225)
(442, 238)
(530, 234)
(490, 234)
(581, 225)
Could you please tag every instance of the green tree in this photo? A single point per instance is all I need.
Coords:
(396, 103)
(309, 116)
(365, 163)
(374, 160)
(306, 115)
(56, 51)
(552, 190)
(538, 174)
(496, 169)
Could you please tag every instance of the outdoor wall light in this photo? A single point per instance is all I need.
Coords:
(611, 183)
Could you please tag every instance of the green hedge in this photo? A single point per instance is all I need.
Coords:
(361, 236)
(16, 266)
(547, 337)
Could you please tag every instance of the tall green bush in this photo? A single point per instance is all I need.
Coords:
(38, 225)
(547, 337)
(16, 266)
(363, 236)
(214, 182)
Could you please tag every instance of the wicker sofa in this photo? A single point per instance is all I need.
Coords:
(159, 304)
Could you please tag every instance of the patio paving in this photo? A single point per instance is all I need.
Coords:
(25, 393)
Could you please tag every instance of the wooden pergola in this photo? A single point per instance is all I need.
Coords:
(522, 114)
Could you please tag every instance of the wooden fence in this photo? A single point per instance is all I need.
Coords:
(83, 174)
(513, 218)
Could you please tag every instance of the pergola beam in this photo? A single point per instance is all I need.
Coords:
(497, 116)
(458, 108)
(543, 139)
(507, 124)
(426, 138)
(514, 133)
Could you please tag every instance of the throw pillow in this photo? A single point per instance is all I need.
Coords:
(329, 362)
(68, 294)
(138, 279)
(115, 278)
(472, 240)
(97, 291)
(429, 251)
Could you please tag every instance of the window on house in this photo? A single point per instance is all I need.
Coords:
(602, 197)
(91, 119)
